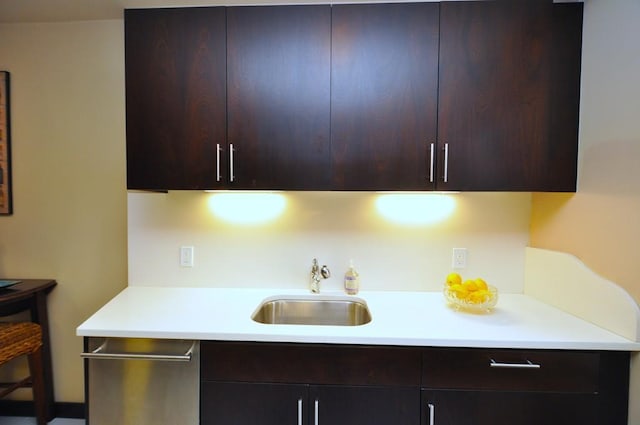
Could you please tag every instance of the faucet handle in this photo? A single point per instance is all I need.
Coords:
(325, 272)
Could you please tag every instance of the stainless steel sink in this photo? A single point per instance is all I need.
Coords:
(313, 310)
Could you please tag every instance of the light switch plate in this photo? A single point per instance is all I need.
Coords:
(186, 256)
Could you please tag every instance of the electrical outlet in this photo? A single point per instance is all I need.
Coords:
(459, 260)
(186, 256)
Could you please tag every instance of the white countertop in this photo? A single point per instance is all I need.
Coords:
(399, 318)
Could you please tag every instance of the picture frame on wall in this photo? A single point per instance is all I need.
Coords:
(6, 199)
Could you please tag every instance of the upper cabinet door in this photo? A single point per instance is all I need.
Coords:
(175, 97)
(498, 64)
(278, 96)
(384, 78)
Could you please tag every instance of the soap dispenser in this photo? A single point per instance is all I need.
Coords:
(351, 280)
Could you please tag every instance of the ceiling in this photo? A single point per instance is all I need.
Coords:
(59, 10)
(86, 10)
(81, 10)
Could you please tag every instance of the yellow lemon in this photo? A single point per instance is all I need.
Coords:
(459, 291)
(470, 285)
(453, 279)
(474, 299)
(481, 284)
(480, 296)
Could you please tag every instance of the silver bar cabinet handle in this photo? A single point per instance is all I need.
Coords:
(218, 149)
(432, 411)
(299, 411)
(431, 157)
(231, 174)
(316, 412)
(527, 365)
(446, 162)
(98, 354)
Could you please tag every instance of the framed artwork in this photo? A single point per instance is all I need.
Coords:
(6, 204)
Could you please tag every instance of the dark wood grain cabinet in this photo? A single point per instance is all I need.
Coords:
(384, 95)
(278, 96)
(228, 98)
(525, 387)
(300, 384)
(509, 78)
(466, 407)
(411, 96)
(456, 96)
(175, 97)
(232, 403)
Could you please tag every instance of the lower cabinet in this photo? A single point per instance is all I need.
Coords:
(524, 387)
(463, 407)
(333, 384)
(233, 403)
(309, 384)
(357, 405)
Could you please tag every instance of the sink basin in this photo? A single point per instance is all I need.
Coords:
(313, 310)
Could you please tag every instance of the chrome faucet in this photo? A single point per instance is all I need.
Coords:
(318, 273)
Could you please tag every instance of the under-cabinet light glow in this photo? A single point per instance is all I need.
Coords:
(415, 209)
(247, 207)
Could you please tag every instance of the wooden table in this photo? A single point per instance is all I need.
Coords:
(31, 295)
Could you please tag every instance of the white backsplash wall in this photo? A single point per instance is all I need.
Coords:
(333, 227)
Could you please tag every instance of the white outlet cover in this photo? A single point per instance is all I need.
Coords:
(459, 258)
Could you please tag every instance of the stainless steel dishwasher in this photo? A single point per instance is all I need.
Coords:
(136, 381)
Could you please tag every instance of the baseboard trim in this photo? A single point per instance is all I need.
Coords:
(26, 408)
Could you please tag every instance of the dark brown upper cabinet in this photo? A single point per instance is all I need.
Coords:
(384, 95)
(233, 98)
(469, 96)
(175, 97)
(278, 90)
(509, 79)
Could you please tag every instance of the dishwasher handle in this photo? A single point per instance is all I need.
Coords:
(100, 354)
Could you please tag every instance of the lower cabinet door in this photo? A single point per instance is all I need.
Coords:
(356, 405)
(229, 403)
(223, 403)
(456, 407)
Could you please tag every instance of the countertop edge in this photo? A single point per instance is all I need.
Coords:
(518, 322)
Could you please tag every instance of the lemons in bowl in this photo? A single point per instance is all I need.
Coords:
(471, 294)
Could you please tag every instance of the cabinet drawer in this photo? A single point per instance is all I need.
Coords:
(521, 370)
(310, 363)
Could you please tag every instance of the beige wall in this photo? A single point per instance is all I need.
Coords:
(601, 222)
(69, 220)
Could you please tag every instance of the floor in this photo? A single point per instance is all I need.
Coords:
(14, 420)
